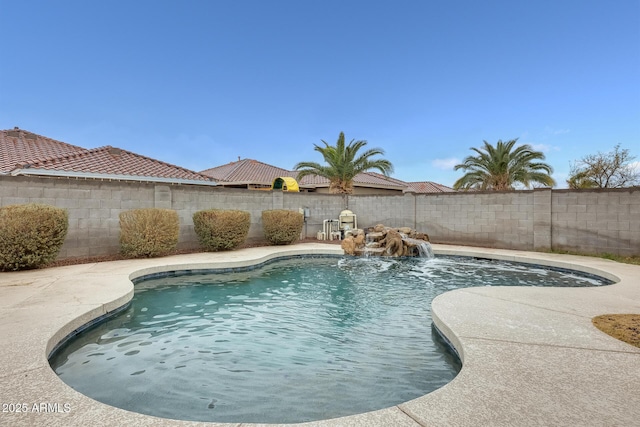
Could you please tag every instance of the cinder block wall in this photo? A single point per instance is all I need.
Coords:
(485, 219)
(393, 211)
(321, 207)
(596, 220)
(589, 221)
(94, 207)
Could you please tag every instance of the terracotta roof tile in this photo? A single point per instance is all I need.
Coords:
(429, 187)
(312, 180)
(379, 179)
(19, 147)
(115, 161)
(364, 179)
(252, 171)
(247, 171)
(33, 153)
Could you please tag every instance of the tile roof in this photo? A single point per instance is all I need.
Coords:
(365, 179)
(375, 177)
(25, 152)
(19, 147)
(30, 154)
(312, 180)
(246, 171)
(429, 187)
(249, 171)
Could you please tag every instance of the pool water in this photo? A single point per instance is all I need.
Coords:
(295, 340)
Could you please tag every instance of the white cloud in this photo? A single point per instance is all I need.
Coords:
(635, 166)
(445, 164)
(545, 148)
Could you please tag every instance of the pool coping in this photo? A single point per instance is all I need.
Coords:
(530, 355)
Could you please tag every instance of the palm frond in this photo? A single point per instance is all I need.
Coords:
(502, 166)
(343, 163)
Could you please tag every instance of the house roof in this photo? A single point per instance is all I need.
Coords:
(30, 154)
(26, 153)
(364, 179)
(375, 177)
(19, 147)
(429, 187)
(249, 171)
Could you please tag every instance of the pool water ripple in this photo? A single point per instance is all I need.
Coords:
(296, 340)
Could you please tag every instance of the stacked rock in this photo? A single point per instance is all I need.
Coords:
(385, 241)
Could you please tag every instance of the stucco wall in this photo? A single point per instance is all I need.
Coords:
(590, 221)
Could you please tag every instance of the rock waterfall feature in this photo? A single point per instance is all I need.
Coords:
(387, 241)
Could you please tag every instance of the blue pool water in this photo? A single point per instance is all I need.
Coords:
(295, 340)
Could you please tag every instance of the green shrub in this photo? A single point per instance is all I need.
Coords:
(221, 230)
(282, 227)
(146, 233)
(31, 235)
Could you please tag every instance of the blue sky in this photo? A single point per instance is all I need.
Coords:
(199, 83)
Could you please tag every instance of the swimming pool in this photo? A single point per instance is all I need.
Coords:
(295, 340)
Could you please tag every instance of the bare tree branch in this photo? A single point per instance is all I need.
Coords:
(605, 170)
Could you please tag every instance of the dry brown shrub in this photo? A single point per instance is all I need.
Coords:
(31, 235)
(146, 233)
(221, 230)
(282, 227)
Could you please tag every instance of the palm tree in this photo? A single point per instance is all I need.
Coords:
(343, 164)
(499, 168)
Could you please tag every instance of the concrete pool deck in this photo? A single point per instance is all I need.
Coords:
(530, 355)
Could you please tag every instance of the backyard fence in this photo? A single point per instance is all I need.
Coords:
(587, 221)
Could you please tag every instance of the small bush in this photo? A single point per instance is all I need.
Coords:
(31, 235)
(221, 230)
(282, 227)
(146, 233)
